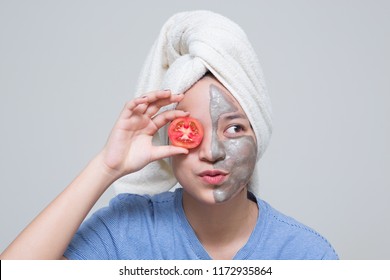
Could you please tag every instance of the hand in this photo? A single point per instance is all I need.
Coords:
(129, 147)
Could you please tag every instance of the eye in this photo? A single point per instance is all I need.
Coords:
(234, 130)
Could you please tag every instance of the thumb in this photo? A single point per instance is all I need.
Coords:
(161, 152)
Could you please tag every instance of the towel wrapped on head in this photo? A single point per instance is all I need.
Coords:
(189, 45)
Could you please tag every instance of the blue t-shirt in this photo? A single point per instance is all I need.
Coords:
(155, 227)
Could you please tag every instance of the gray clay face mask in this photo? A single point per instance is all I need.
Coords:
(234, 155)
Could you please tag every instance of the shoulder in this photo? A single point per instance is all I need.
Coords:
(119, 229)
(296, 239)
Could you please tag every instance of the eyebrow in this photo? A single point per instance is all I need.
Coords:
(234, 116)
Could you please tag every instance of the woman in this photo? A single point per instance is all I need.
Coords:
(213, 76)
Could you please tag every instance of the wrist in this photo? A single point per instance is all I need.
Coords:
(109, 175)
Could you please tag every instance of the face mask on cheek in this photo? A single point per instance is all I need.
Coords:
(239, 162)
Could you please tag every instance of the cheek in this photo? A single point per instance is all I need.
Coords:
(244, 154)
(240, 153)
(240, 162)
(177, 164)
(182, 165)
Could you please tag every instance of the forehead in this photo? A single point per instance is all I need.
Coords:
(197, 99)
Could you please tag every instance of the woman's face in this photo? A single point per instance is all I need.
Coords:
(222, 165)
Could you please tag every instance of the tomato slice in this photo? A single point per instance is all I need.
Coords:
(185, 132)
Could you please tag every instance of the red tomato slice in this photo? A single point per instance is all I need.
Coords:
(185, 132)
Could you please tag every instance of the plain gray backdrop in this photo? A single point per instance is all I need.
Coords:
(68, 67)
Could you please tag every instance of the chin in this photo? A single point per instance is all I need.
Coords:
(205, 197)
(222, 195)
(212, 196)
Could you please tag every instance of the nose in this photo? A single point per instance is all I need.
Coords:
(211, 149)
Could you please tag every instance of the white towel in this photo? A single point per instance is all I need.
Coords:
(189, 45)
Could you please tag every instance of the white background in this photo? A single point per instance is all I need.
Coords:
(68, 67)
(280, 270)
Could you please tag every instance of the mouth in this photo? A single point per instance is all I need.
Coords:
(213, 177)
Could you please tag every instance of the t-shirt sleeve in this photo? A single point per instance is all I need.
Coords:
(291, 239)
(97, 237)
(330, 254)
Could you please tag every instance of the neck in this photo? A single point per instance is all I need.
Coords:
(222, 228)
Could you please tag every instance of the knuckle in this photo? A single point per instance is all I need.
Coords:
(129, 104)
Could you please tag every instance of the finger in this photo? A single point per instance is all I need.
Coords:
(156, 96)
(141, 109)
(131, 107)
(151, 103)
(158, 104)
(127, 110)
(153, 96)
(161, 152)
(162, 119)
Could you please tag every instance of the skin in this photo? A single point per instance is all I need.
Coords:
(240, 167)
(128, 149)
(229, 143)
(221, 214)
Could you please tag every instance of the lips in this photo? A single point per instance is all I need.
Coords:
(213, 177)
